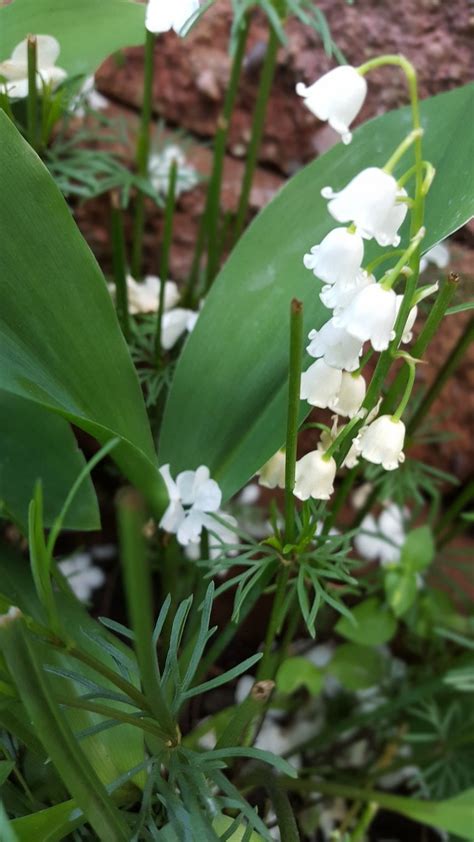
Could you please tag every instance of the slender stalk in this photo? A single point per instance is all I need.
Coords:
(54, 732)
(294, 381)
(210, 219)
(32, 100)
(112, 713)
(138, 590)
(366, 819)
(258, 123)
(276, 618)
(165, 252)
(119, 261)
(443, 375)
(408, 390)
(142, 156)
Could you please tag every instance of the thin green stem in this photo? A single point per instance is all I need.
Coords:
(388, 281)
(366, 819)
(142, 155)
(408, 390)
(258, 123)
(210, 221)
(32, 100)
(443, 375)
(346, 430)
(165, 252)
(381, 259)
(265, 670)
(403, 147)
(294, 382)
(119, 262)
(138, 590)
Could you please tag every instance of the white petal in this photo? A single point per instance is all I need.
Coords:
(336, 97)
(173, 325)
(272, 473)
(171, 486)
(190, 529)
(208, 496)
(351, 395)
(382, 442)
(370, 316)
(173, 517)
(320, 384)
(336, 345)
(159, 16)
(314, 476)
(338, 258)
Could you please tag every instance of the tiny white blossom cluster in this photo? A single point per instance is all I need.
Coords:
(159, 168)
(372, 206)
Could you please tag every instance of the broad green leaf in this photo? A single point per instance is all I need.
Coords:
(374, 624)
(299, 672)
(400, 588)
(454, 815)
(227, 406)
(418, 550)
(60, 342)
(49, 825)
(356, 667)
(88, 31)
(111, 752)
(35, 444)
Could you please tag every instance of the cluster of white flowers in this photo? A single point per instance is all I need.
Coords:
(15, 69)
(144, 297)
(372, 206)
(159, 168)
(382, 538)
(82, 575)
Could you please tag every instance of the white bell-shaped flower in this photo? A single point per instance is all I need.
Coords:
(82, 575)
(381, 442)
(338, 296)
(15, 69)
(272, 473)
(336, 97)
(438, 255)
(338, 257)
(321, 385)
(384, 538)
(372, 202)
(351, 395)
(337, 347)
(408, 329)
(192, 498)
(174, 323)
(163, 15)
(144, 297)
(370, 316)
(315, 475)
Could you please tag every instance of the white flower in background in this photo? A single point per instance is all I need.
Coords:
(371, 202)
(438, 255)
(87, 95)
(15, 69)
(82, 576)
(337, 296)
(370, 316)
(408, 329)
(338, 348)
(351, 395)
(321, 384)
(163, 15)
(338, 257)
(221, 535)
(174, 323)
(336, 97)
(159, 168)
(272, 473)
(192, 499)
(314, 476)
(249, 495)
(383, 538)
(144, 297)
(381, 442)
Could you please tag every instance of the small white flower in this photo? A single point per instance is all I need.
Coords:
(381, 442)
(338, 348)
(438, 255)
(15, 69)
(370, 315)
(336, 97)
(314, 476)
(87, 95)
(159, 168)
(249, 495)
(384, 538)
(338, 296)
(371, 202)
(82, 576)
(338, 257)
(174, 323)
(144, 297)
(351, 395)
(321, 384)
(272, 473)
(192, 499)
(163, 15)
(352, 457)
(408, 329)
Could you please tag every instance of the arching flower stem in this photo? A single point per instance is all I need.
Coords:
(401, 149)
(408, 388)
(391, 277)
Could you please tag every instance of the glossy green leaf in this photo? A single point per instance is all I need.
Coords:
(35, 444)
(356, 667)
(299, 672)
(88, 31)
(60, 342)
(374, 623)
(418, 550)
(227, 406)
(49, 825)
(111, 752)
